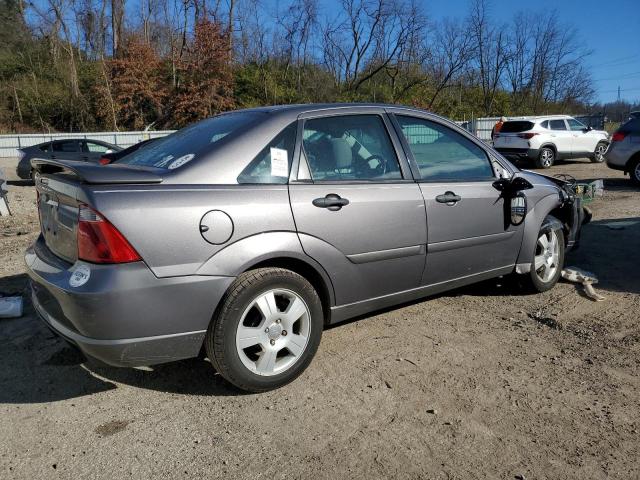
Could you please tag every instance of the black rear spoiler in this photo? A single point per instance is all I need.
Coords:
(96, 174)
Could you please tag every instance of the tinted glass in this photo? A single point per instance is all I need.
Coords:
(545, 124)
(516, 127)
(444, 154)
(349, 147)
(94, 147)
(191, 142)
(575, 125)
(65, 146)
(262, 170)
(46, 147)
(557, 125)
(632, 126)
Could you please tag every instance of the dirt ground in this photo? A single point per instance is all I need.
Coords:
(481, 382)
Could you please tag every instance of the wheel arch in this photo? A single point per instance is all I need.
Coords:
(533, 223)
(319, 281)
(632, 159)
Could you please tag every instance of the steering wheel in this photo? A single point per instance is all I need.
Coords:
(380, 168)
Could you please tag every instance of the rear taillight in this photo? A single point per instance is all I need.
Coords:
(618, 136)
(104, 161)
(527, 136)
(100, 242)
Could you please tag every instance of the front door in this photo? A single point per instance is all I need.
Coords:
(583, 141)
(360, 214)
(561, 137)
(468, 232)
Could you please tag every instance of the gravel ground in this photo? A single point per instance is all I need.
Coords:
(481, 382)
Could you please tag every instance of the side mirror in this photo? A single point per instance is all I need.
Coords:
(512, 185)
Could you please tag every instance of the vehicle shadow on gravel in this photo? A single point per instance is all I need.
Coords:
(40, 367)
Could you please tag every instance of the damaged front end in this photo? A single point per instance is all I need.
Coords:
(572, 212)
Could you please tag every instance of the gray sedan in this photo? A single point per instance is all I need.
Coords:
(245, 234)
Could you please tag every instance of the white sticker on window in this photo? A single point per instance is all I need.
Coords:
(279, 163)
(178, 162)
(80, 276)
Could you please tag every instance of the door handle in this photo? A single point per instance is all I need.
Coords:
(449, 198)
(331, 202)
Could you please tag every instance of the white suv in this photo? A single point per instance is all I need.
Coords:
(547, 139)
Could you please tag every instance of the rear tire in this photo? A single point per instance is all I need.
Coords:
(634, 171)
(266, 330)
(548, 258)
(546, 157)
(598, 153)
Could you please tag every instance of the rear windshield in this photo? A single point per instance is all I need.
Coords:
(191, 142)
(516, 127)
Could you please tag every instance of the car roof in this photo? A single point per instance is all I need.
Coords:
(539, 118)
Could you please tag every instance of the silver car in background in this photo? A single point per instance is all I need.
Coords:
(624, 151)
(248, 232)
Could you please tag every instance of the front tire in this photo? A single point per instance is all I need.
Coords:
(634, 171)
(266, 330)
(546, 157)
(598, 154)
(548, 259)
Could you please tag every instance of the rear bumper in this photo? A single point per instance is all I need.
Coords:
(519, 153)
(617, 158)
(123, 315)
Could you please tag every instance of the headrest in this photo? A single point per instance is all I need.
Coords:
(341, 151)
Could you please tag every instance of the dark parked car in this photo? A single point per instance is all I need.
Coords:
(624, 152)
(111, 157)
(249, 232)
(68, 149)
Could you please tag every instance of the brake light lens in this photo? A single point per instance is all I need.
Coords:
(527, 136)
(104, 161)
(618, 136)
(100, 242)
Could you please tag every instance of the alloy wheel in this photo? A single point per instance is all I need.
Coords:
(600, 151)
(546, 158)
(273, 332)
(547, 258)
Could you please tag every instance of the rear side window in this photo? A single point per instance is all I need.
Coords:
(444, 154)
(273, 163)
(191, 142)
(349, 147)
(545, 124)
(514, 126)
(65, 146)
(631, 126)
(46, 147)
(557, 125)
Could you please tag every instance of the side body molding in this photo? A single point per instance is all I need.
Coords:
(249, 251)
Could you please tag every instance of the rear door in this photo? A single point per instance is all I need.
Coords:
(468, 231)
(66, 150)
(561, 136)
(357, 209)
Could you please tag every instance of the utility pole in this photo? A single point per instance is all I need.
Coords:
(618, 93)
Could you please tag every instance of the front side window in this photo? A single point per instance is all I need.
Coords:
(350, 147)
(94, 147)
(273, 163)
(442, 153)
(557, 125)
(575, 125)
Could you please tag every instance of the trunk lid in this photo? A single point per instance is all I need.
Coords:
(61, 187)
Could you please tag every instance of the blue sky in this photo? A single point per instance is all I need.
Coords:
(611, 29)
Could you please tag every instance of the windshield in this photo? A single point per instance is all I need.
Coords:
(191, 142)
